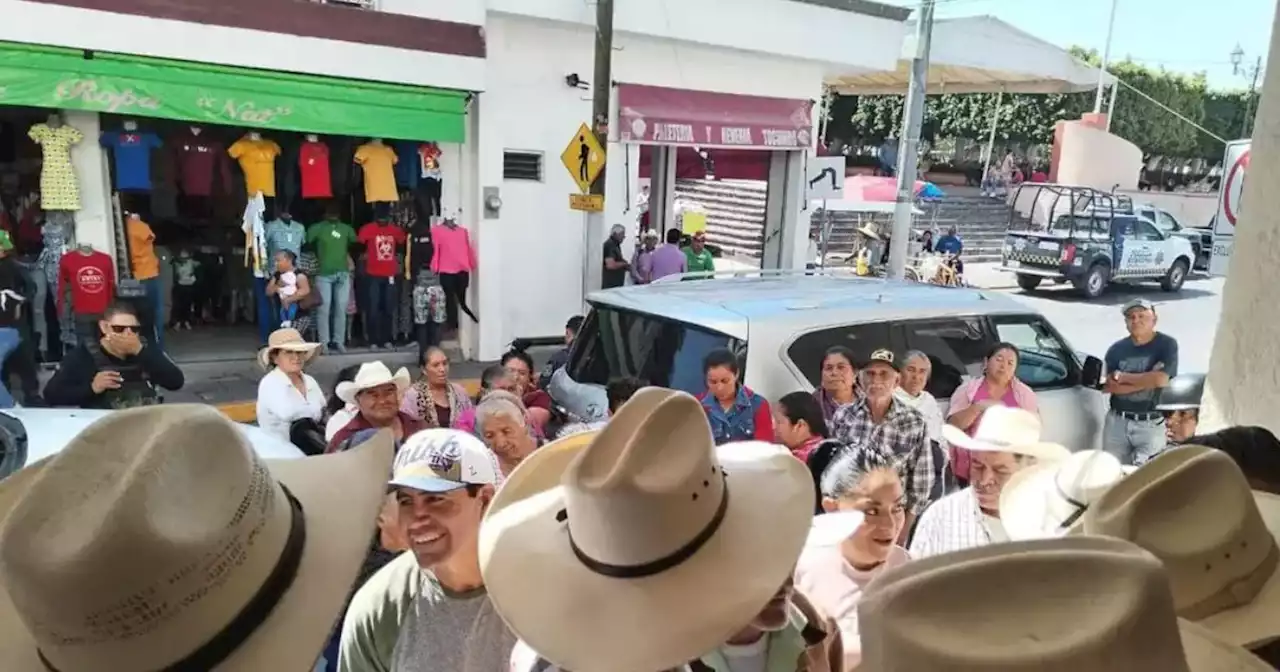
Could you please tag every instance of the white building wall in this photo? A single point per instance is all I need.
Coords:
(540, 242)
(457, 11)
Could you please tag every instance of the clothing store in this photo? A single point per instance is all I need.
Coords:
(212, 172)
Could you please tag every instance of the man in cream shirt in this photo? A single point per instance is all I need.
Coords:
(916, 369)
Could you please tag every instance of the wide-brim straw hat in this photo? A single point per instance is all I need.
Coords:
(1192, 508)
(1006, 429)
(158, 539)
(643, 546)
(371, 375)
(1048, 499)
(286, 339)
(1073, 604)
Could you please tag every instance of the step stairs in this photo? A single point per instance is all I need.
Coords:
(735, 213)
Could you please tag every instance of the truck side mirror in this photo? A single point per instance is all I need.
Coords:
(1091, 373)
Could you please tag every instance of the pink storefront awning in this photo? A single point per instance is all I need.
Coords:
(664, 116)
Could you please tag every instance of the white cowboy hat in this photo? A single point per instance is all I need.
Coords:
(140, 548)
(1006, 429)
(1073, 604)
(643, 546)
(1192, 508)
(869, 232)
(286, 339)
(371, 375)
(1046, 500)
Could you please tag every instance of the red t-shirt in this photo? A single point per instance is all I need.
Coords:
(313, 161)
(380, 241)
(92, 279)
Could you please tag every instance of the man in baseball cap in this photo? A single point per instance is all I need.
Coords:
(428, 609)
(1138, 369)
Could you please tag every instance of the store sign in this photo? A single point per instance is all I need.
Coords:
(664, 116)
(586, 202)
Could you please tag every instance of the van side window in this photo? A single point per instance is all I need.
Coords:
(807, 351)
(1044, 360)
(955, 346)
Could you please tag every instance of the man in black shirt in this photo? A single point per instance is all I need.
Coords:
(13, 295)
(615, 265)
(120, 370)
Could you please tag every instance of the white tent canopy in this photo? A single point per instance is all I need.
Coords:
(980, 54)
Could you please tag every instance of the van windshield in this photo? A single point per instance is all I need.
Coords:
(615, 343)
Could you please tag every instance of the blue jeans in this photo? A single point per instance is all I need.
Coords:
(35, 274)
(335, 294)
(9, 340)
(379, 309)
(155, 302)
(266, 316)
(1133, 441)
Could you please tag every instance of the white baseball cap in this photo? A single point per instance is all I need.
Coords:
(443, 460)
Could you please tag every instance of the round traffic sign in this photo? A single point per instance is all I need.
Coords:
(1233, 188)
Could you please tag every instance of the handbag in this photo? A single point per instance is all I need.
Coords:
(312, 300)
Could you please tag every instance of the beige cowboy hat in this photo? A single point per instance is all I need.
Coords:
(286, 339)
(1048, 499)
(371, 375)
(1192, 508)
(643, 546)
(869, 231)
(139, 548)
(1075, 604)
(1005, 429)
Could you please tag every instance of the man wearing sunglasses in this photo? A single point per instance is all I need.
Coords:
(119, 370)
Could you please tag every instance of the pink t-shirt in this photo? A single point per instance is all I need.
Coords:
(453, 251)
(835, 587)
(960, 456)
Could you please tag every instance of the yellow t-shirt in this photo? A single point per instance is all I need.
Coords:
(258, 161)
(142, 251)
(379, 176)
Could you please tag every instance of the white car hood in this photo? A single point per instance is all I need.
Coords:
(49, 430)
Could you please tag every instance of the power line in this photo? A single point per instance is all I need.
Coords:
(1172, 111)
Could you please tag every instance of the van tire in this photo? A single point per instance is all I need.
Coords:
(1177, 275)
(1028, 282)
(1094, 282)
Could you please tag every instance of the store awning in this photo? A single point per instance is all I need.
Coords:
(658, 115)
(212, 94)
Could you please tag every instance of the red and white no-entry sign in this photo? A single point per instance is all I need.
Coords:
(1233, 187)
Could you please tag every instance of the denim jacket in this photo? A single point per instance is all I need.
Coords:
(739, 422)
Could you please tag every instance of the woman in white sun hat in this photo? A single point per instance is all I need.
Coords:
(286, 394)
(1006, 440)
(1048, 500)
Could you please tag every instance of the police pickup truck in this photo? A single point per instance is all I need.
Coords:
(1090, 239)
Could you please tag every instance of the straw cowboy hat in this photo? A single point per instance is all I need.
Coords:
(1192, 507)
(1048, 499)
(371, 375)
(286, 339)
(1076, 604)
(136, 548)
(1005, 429)
(870, 232)
(643, 546)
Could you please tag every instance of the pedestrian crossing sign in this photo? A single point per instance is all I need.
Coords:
(583, 158)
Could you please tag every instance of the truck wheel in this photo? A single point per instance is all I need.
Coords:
(1094, 282)
(1177, 275)
(1028, 282)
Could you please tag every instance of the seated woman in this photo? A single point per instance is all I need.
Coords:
(799, 425)
(839, 381)
(286, 395)
(434, 399)
(338, 412)
(998, 386)
(503, 424)
(735, 412)
(494, 379)
(519, 366)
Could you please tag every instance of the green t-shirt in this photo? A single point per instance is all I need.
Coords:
(699, 262)
(332, 240)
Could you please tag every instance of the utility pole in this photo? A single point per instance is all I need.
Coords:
(601, 93)
(1253, 94)
(1106, 58)
(909, 147)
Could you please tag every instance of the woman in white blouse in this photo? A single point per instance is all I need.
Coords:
(286, 394)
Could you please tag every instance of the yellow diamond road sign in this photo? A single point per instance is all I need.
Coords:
(583, 158)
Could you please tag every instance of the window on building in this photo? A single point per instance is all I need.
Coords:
(518, 165)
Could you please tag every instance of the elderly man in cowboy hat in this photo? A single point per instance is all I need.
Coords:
(136, 549)
(1007, 440)
(377, 394)
(427, 610)
(700, 572)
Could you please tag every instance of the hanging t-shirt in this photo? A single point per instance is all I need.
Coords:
(142, 253)
(378, 162)
(313, 163)
(332, 241)
(258, 161)
(196, 158)
(421, 251)
(282, 235)
(380, 242)
(407, 165)
(91, 278)
(429, 160)
(132, 152)
(58, 187)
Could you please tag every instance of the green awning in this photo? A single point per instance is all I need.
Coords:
(60, 78)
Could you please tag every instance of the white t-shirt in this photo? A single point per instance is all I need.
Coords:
(339, 420)
(752, 657)
(280, 403)
(928, 407)
(834, 586)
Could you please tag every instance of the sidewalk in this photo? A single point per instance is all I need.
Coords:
(987, 275)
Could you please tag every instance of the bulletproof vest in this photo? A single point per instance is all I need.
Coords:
(135, 385)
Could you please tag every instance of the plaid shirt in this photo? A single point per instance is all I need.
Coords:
(904, 432)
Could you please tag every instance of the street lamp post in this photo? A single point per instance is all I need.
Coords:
(1106, 58)
(1252, 72)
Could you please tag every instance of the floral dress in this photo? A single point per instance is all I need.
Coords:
(58, 187)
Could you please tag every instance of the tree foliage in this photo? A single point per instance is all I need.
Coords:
(1029, 119)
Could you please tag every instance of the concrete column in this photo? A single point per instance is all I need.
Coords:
(94, 220)
(1244, 371)
(484, 149)
(786, 227)
(662, 189)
